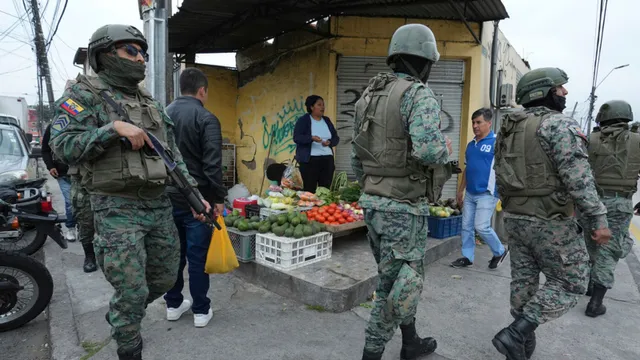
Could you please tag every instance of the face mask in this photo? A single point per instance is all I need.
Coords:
(120, 72)
(559, 102)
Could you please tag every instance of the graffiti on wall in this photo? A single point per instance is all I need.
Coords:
(277, 137)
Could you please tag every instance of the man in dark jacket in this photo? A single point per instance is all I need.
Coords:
(59, 171)
(199, 139)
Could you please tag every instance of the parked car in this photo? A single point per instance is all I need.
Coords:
(18, 160)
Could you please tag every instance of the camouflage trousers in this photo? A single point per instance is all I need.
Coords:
(557, 249)
(398, 243)
(139, 254)
(81, 203)
(604, 258)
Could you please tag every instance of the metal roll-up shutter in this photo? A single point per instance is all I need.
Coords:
(446, 81)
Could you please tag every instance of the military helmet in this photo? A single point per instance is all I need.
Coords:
(615, 110)
(108, 35)
(414, 39)
(536, 84)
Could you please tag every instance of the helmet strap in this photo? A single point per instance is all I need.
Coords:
(422, 75)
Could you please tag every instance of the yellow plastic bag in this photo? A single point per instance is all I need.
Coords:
(221, 258)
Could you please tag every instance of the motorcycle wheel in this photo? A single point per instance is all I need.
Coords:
(29, 243)
(35, 288)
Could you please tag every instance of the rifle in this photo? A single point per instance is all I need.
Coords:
(179, 180)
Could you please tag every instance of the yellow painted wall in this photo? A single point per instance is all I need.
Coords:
(223, 95)
(269, 105)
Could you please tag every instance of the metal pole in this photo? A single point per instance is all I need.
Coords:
(592, 100)
(154, 15)
(574, 109)
(41, 51)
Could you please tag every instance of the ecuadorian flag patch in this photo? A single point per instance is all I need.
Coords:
(72, 107)
(61, 122)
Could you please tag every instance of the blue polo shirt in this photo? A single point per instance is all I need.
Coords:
(479, 166)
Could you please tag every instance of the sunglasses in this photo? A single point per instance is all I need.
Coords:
(133, 51)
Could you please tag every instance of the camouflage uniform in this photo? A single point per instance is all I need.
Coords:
(398, 230)
(555, 247)
(604, 258)
(542, 170)
(81, 203)
(135, 237)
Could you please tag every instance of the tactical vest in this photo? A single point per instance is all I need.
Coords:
(383, 143)
(614, 156)
(526, 177)
(121, 172)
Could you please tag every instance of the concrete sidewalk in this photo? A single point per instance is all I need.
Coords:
(462, 309)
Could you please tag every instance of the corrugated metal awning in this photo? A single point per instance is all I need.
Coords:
(210, 26)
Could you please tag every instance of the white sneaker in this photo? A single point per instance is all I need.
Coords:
(201, 320)
(175, 314)
(71, 234)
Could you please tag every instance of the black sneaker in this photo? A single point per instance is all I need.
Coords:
(497, 260)
(463, 262)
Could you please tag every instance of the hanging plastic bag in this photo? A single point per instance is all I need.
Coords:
(292, 178)
(221, 258)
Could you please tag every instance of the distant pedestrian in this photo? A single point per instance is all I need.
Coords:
(59, 170)
(199, 138)
(479, 182)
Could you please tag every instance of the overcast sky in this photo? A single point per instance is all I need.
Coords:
(545, 32)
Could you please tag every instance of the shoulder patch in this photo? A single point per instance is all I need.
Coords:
(576, 130)
(61, 122)
(71, 107)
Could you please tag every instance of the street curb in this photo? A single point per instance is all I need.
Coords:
(63, 334)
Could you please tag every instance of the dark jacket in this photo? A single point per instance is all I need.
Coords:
(199, 139)
(303, 138)
(48, 157)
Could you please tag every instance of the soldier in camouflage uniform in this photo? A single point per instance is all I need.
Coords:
(135, 237)
(80, 201)
(614, 156)
(396, 137)
(541, 170)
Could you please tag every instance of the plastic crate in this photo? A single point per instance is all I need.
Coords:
(442, 228)
(252, 210)
(287, 254)
(266, 212)
(244, 243)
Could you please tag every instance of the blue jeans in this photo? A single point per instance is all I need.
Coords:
(194, 244)
(476, 217)
(65, 189)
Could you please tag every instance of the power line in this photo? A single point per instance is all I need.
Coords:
(16, 70)
(58, 24)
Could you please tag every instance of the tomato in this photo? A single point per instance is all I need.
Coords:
(350, 219)
(331, 219)
(331, 210)
(338, 215)
(322, 211)
(341, 221)
(333, 205)
(320, 218)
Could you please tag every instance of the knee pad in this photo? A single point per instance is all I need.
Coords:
(405, 293)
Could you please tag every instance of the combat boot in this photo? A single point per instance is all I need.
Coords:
(131, 354)
(595, 307)
(412, 345)
(366, 355)
(530, 345)
(511, 340)
(89, 258)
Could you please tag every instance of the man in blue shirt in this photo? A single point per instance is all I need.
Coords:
(479, 180)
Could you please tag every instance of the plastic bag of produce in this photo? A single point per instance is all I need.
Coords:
(292, 178)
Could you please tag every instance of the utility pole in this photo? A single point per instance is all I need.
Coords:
(592, 100)
(41, 55)
(154, 16)
(574, 109)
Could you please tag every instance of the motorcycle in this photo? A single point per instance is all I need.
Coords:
(27, 218)
(26, 288)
